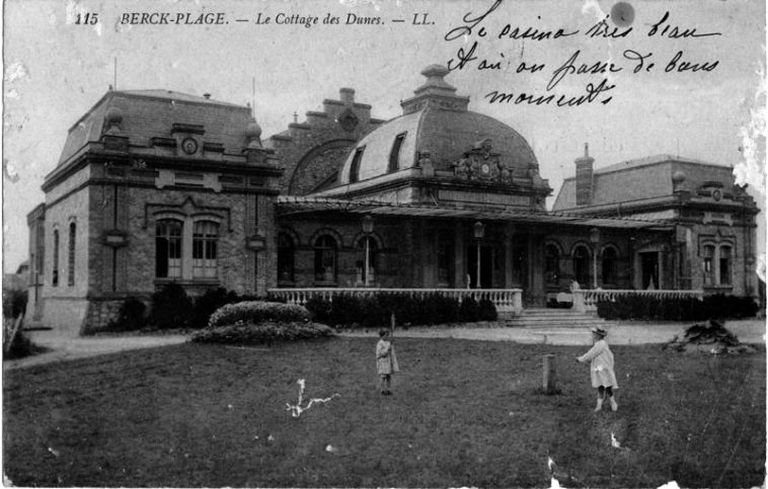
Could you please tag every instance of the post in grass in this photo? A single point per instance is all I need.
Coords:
(549, 378)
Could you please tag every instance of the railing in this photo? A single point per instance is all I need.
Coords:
(505, 300)
(586, 300)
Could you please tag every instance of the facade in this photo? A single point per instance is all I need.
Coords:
(155, 187)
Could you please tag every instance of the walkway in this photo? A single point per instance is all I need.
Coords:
(627, 333)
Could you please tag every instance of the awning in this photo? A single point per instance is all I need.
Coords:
(288, 205)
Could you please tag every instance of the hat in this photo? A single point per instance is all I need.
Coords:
(598, 330)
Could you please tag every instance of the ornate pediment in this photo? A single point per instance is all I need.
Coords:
(481, 163)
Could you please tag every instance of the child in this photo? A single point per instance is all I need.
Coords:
(386, 361)
(601, 368)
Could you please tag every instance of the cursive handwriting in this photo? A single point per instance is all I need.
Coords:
(570, 68)
(471, 23)
(675, 32)
(593, 91)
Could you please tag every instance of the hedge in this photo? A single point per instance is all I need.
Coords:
(257, 312)
(374, 310)
(718, 306)
(248, 333)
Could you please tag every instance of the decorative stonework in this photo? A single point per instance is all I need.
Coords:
(481, 163)
(348, 120)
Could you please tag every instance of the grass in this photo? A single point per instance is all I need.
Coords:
(463, 413)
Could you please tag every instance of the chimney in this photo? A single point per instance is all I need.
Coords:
(347, 95)
(584, 178)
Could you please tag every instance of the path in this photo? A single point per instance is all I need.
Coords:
(68, 348)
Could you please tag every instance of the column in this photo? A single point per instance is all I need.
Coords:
(508, 256)
(460, 273)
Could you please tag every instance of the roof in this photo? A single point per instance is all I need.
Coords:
(643, 180)
(437, 121)
(151, 113)
(296, 205)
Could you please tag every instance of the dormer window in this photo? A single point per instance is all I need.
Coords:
(394, 155)
(354, 169)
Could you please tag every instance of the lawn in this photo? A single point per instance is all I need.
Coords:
(464, 413)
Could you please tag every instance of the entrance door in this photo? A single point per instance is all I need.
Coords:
(649, 264)
(486, 266)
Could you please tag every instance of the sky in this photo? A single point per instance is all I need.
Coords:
(56, 69)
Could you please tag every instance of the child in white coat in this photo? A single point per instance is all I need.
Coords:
(601, 368)
(386, 361)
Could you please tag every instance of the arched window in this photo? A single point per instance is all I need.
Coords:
(285, 257)
(354, 168)
(55, 271)
(205, 238)
(725, 265)
(394, 154)
(368, 276)
(610, 266)
(708, 258)
(445, 258)
(168, 233)
(71, 255)
(581, 265)
(325, 259)
(551, 264)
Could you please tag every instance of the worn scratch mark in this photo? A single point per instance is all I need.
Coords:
(296, 409)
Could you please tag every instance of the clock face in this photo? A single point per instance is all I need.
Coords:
(486, 169)
(717, 195)
(189, 146)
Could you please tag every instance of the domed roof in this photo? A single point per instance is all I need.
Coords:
(435, 121)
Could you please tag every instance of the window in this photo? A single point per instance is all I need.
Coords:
(551, 264)
(581, 265)
(394, 155)
(285, 257)
(204, 249)
(709, 255)
(354, 168)
(364, 274)
(725, 265)
(445, 258)
(71, 255)
(325, 259)
(55, 272)
(610, 257)
(168, 234)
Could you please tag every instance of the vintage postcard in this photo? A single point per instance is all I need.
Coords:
(221, 216)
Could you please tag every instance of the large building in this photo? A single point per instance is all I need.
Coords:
(156, 186)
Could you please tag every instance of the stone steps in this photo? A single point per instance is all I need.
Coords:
(554, 318)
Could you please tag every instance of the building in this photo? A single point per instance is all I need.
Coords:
(156, 186)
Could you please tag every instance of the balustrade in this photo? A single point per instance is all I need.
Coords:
(505, 300)
(587, 299)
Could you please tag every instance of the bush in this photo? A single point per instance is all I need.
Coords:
(171, 308)
(14, 302)
(257, 312)
(718, 306)
(248, 333)
(208, 303)
(130, 316)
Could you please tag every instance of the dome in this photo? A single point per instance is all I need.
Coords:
(436, 121)
(253, 130)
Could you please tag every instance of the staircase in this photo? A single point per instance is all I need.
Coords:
(555, 318)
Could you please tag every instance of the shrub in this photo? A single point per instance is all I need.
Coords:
(718, 306)
(257, 312)
(374, 310)
(130, 316)
(267, 332)
(22, 347)
(14, 302)
(208, 303)
(171, 308)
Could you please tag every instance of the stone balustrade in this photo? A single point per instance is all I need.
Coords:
(587, 299)
(505, 300)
